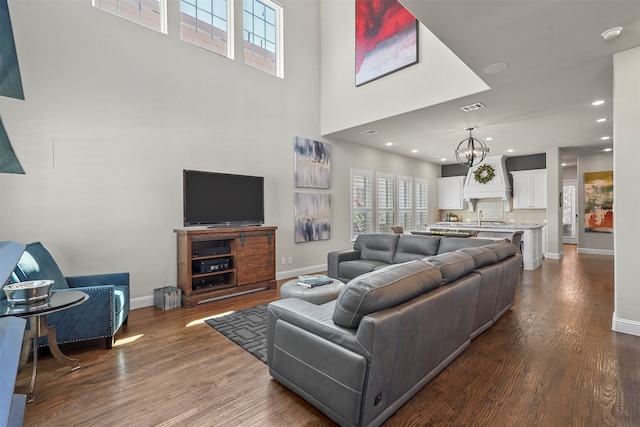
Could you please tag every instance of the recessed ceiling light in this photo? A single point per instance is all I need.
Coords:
(389, 144)
(496, 68)
(414, 151)
(608, 149)
(611, 33)
(598, 102)
(605, 138)
(444, 159)
(604, 119)
(489, 138)
(510, 150)
(564, 164)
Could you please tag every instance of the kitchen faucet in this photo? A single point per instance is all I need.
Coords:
(479, 217)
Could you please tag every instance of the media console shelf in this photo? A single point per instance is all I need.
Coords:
(216, 263)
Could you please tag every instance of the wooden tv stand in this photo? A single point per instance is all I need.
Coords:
(216, 263)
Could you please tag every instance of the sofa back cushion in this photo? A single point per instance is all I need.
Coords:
(37, 263)
(383, 288)
(481, 255)
(377, 247)
(451, 244)
(452, 265)
(411, 248)
(502, 249)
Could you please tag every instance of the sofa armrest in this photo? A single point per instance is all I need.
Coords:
(116, 279)
(335, 258)
(315, 319)
(92, 319)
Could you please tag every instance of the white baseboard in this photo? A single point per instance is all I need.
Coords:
(552, 255)
(140, 302)
(625, 326)
(294, 273)
(595, 251)
(147, 300)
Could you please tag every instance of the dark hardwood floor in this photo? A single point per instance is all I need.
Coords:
(550, 361)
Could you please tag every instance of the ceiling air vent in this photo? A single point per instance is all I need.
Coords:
(369, 132)
(472, 107)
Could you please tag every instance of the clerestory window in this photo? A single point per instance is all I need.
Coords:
(150, 13)
(208, 24)
(262, 36)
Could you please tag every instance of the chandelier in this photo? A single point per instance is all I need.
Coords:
(471, 151)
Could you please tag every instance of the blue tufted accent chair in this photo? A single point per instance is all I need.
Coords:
(101, 316)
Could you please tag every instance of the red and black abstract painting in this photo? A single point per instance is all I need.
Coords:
(386, 39)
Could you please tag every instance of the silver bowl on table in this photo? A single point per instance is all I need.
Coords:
(28, 292)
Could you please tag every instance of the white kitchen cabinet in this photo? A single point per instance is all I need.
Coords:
(530, 189)
(450, 195)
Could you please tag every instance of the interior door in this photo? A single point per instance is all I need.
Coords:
(569, 214)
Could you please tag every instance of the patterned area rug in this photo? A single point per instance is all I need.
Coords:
(247, 328)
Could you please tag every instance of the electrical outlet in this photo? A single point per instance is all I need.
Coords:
(290, 260)
(282, 261)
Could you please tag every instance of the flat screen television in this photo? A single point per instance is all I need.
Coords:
(219, 199)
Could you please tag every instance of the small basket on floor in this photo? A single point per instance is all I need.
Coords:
(167, 297)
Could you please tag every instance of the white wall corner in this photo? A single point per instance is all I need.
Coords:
(625, 326)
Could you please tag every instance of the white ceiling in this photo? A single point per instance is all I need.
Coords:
(558, 64)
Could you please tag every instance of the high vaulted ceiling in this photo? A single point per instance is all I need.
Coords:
(558, 64)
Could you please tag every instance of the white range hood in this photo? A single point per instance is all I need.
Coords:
(499, 187)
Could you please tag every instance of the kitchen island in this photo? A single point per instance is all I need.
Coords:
(531, 239)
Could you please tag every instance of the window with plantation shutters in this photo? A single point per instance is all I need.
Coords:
(382, 200)
(361, 202)
(421, 210)
(385, 201)
(150, 13)
(208, 24)
(405, 202)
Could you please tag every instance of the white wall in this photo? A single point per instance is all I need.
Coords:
(114, 112)
(441, 77)
(626, 135)
(589, 242)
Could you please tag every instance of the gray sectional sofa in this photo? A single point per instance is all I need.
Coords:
(377, 250)
(390, 331)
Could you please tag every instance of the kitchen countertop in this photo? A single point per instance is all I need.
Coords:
(487, 225)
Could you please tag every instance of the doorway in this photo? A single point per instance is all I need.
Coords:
(569, 214)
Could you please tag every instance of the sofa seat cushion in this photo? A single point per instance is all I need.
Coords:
(377, 247)
(383, 288)
(452, 265)
(352, 269)
(481, 256)
(412, 248)
(452, 244)
(36, 263)
(502, 250)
